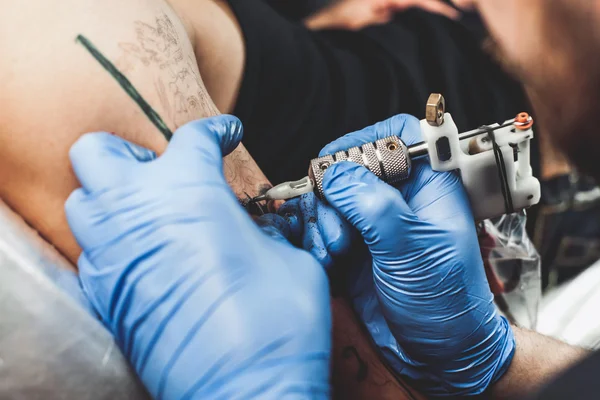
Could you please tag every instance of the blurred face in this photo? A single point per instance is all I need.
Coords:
(553, 46)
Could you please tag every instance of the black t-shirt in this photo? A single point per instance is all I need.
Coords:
(303, 89)
(580, 382)
(296, 9)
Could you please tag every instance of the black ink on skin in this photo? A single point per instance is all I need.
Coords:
(255, 207)
(127, 86)
(252, 208)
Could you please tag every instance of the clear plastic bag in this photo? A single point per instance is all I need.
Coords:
(513, 267)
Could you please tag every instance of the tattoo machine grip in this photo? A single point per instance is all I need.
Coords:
(388, 158)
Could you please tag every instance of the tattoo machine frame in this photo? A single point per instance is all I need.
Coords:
(493, 162)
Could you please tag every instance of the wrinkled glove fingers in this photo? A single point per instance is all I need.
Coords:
(101, 159)
(335, 231)
(275, 226)
(200, 146)
(376, 209)
(290, 211)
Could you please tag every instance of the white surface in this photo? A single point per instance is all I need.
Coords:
(571, 312)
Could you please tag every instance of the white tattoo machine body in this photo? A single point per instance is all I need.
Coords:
(493, 162)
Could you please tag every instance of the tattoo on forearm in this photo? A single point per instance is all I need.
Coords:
(127, 86)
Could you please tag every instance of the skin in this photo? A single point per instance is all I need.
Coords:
(537, 360)
(564, 34)
(35, 176)
(358, 14)
(54, 91)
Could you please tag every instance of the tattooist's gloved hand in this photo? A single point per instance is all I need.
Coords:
(423, 293)
(201, 300)
(318, 228)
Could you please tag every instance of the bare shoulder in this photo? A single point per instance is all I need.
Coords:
(219, 46)
(54, 89)
(143, 38)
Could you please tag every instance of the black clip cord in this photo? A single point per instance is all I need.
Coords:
(502, 174)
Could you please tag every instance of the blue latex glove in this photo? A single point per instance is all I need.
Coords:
(422, 294)
(202, 302)
(318, 228)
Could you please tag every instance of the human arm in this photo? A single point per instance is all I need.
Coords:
(219, 46)
(538, 360)
(54, 91)
(358, 14)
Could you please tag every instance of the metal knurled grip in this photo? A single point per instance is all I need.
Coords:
(387, 158)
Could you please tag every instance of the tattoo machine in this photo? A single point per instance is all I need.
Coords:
(493, 162)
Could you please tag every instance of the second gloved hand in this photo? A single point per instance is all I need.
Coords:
(425, 282)
(202, 302)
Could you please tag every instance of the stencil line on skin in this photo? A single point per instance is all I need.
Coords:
(122, 80)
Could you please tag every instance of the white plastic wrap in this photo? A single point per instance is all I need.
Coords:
(50, 347)
(570, 311)
(513, 268)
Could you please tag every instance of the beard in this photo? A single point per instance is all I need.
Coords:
(563, 80)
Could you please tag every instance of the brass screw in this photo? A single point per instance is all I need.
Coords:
(435, 109)
(392, 146)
